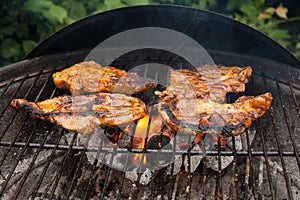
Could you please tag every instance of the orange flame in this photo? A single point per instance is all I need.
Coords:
(140, 133)
(139, 138)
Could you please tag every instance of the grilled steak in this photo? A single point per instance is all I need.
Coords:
(88, 77)
(207, 116)
(85, 113)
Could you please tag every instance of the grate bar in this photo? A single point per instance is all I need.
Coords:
(37, 75)
(265, 156)
(288, 125)
(11, 144)
(108, 175)
(172, 183)
(21, 127)
(11, 98)
(236, 174)
(295, 100)
(58, 175)
(218, 190)
(51, 157)
(16, 163)
(119, 194)
(30, 166)
(6, 87)
(26, 144)
(266, 160)
(78, 168)
(13, 95)
(144, 150)
(92, 179)
(286, 178)
(204, 180)
(189, 176)
(289, 128)
(177, 152)
(30, 75)
(254, 189)
(17, 111)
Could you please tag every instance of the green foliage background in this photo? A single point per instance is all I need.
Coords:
(24, 23)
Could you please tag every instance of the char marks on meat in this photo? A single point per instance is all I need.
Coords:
(85, 113)
(212, 81)
(90, 77)
(194, 101)
(206, 116)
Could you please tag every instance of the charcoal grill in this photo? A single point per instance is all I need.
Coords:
(40, 160)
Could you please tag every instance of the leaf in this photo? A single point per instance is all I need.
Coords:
(55, 14)
(270, 10)
(263, 15)
(279, 35)
(69, 20)
(250, 11)
(297, 54)
(267, 13)
(9, 30)
(258, 3)
(236, 5)
(202, 4)
(135, 2)
(281, 11)
(28, 45)
(9, 48)
(76, 11)
(37, 6)
(113, 4)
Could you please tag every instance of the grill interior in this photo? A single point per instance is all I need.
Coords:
(38, 159)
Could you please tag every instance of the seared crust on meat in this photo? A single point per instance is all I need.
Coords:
(86, 112)
(194, 101)
(206, 116)
(220, 79)
(89, 77)
(211, 81)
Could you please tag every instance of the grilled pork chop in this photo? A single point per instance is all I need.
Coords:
(85, 113)
(208, 81)
(194, 101)
(221, 80)
(88, 77)
(207, 116)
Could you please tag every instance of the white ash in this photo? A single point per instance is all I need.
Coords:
(118, 161)
(212, 162)
(145, 177)
(240, 144)
(195, 160)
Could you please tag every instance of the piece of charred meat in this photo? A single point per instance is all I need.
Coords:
(90, 77)
(207, 116)
(85, 113)
(220, 79)
(210, 81)
(193, 102)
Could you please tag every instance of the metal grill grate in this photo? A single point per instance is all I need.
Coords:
(37, 161)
